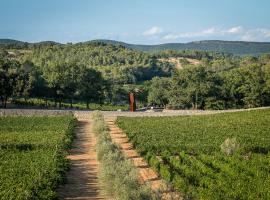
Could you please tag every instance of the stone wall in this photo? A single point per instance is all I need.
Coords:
(87, 114)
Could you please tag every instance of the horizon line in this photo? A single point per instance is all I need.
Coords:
(112, 40)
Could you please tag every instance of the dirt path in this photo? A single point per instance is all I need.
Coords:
(146, 174)
(82, 182)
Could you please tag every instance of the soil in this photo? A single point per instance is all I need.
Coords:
(82, 178)
(176, 61)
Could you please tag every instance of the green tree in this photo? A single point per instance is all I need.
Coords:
(158, 91)
(91, 86)
(54, 75)
(8, 79)
(70, 82)
(253, 85)
(190, 87)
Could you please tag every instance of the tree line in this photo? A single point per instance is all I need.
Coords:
(61, 81)
(106, 73)
(205, 87)
(93, 72)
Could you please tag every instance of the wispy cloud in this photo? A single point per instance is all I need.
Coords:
(235, 30)
(237, 33)
(260, 34)
(209, 31)
(157, 34)
(152, 31)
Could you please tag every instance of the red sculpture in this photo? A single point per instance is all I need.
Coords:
(132, 102)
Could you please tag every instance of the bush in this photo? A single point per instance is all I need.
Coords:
(97, 115)
(214, 104)
(179, 183)
(154, 162)
(99, 126)
(229, 146)
(165, 172)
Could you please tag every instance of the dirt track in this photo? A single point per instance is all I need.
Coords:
(82, 181)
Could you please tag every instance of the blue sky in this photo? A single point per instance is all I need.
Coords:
(135, 21)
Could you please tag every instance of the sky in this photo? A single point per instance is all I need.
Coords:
(135, 21)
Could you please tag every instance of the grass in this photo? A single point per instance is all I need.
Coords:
(192, 152)
(33, 155)
(41, 103)
(118, 176)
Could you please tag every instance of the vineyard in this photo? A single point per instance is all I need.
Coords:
(33, 155)
(191, 152)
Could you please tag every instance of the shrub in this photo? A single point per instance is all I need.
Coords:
(99, 123)
(165, 172)
(97, 115)
(179, 183)
(215, 104)
(154, 162)
(229, 146)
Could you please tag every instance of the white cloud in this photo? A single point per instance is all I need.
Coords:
(152, 31)
(203, 33)
(173, 36)
(208, 31)
(235, 30)
(233, 33)
(260, 34)
(265, 32)
(170, 37)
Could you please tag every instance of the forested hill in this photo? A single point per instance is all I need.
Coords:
(16, 44)
(233, 47)
(97, 72)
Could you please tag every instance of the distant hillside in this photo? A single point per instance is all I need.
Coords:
(9, 41)
(233, 47)
(16, 44)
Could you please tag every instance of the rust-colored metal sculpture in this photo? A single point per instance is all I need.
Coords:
(132, 102)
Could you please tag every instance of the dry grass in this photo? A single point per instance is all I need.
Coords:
(176, 61)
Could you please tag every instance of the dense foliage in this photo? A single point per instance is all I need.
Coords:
(46, 103)
(188, 152)
(94, 72)
(218, 84)
(101, 73)
(233, 47)
(57, 81)
(33, 155)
